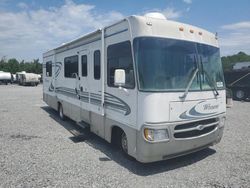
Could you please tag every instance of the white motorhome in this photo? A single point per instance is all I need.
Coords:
(154, 87)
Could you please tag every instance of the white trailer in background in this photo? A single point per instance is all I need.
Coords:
(154, 87)
(5, 77)
(28, 79)
(18, 75)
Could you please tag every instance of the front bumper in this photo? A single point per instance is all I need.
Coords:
(150, 152)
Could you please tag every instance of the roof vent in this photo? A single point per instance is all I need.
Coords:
(156, 15)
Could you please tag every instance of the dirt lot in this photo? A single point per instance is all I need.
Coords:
(37, 149)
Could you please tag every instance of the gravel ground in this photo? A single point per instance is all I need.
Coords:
(37, 149)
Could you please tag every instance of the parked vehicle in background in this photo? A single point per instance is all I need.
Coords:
(28, 79)
(5, 77)
(238, 81)
(18, 75)
(153, 87)
(241, 65)
(40, 77)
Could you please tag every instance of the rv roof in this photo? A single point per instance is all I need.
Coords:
(186, 31)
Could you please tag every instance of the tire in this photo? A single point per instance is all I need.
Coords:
(60, 111)
(124, 143)
(240, 94)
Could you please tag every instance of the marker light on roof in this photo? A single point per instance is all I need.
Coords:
(181, 29)
(191, 31)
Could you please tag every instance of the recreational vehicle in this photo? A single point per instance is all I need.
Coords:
(28, 79)
(152, 86)
(5, 77)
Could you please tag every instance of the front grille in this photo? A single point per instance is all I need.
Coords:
(194, 129)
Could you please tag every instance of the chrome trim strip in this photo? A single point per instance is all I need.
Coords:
(197, 127)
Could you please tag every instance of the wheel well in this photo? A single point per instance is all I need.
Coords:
(116, 135)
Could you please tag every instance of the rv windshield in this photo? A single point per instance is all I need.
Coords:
(167, 65)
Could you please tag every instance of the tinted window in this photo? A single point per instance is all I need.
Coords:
(120, 57)
(49, 69)
(97, 64)
(84, 65)
(71, 66)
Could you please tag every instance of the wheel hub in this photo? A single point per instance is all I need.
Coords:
(240, 94)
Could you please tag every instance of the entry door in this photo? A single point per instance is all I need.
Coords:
(84, 92)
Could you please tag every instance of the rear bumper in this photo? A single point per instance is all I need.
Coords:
(150, 152)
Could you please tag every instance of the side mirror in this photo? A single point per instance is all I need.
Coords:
(120, 77)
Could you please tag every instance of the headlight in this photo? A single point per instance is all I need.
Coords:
(222, 121)
(156, 134)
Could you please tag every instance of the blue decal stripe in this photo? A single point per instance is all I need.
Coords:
(110, 101)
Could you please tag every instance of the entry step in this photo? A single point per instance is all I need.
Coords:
(83, 124)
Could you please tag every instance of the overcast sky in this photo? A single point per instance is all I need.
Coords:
(28, 28)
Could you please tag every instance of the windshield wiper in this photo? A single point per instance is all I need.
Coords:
(189, 84)
(211, 83)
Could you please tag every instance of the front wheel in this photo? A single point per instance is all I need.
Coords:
(124, 143)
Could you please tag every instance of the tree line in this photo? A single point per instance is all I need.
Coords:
(12, 65)
(229, 61)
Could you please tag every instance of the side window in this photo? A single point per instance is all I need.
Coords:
(84, 65)
(71, 66)
(49, 69)
(120, 57)
(97, 65)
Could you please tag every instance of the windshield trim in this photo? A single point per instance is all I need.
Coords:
(170, 90)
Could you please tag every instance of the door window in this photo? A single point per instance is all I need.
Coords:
(84, 65)
(97, 65)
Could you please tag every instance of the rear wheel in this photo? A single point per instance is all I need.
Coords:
(61, 114)
(240, 94)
